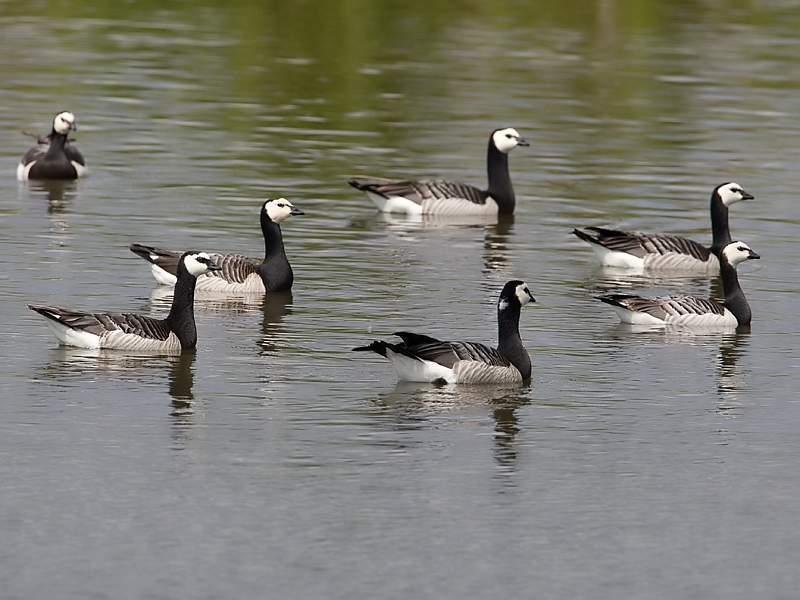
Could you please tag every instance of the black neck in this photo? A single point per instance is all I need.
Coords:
(734, 296)
(275, 271)
(57, 141)
(720, 230)
(500, 187)
(181, 315)
(509, 343)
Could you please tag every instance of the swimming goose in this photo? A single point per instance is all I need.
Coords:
(132, 332)
(423, 358)
(441, 197)
(237, 274)
(689, 311)
(53, 157)
(637, 250)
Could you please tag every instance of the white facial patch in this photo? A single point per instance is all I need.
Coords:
(736, 252)
(731, 193)
(506, 140)
(64, 122)
(278, 209)
(194, 266)
(523, 294)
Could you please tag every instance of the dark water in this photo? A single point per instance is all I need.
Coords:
(276, 463)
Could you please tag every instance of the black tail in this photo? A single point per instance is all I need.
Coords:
(144, 251)
(378, 347)
(614, 299)
(586, 237)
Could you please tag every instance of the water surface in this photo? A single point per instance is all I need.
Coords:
(274, 462)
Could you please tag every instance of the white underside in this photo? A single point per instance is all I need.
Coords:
(410, 369)
(73, 337)
(80, 169)
(115, 340)
(209, 283)
(463, 372)
(706, 323)
(23, 170)
(440, 206)
(670, 261)
(162, 276)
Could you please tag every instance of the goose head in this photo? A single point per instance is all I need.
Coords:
(280, 209)
(515, 291)
(199, 263)
(64, 123)
(737, 252)
(731, 193)
(507, 139)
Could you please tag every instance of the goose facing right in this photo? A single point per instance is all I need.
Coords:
(133, 332)
(53, 157)
(237, 273)
(690, 312)
(450, 198)
(425, 359)
(640, 250)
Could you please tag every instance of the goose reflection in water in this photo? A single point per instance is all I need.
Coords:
(449, 229)
(71, 366)
(731, 376)
(59, 193)
(181, 382)
(414, 404)
(504, 410)
(275, 307)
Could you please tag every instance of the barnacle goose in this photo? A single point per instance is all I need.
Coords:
(132, 332)
(53, 157)
(442, 197)
(638, 250)
(237, 273)
(423, 358)
(688, 311)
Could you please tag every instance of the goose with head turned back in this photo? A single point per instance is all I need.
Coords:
(426, 359)
(690, 312)
(132, 332)
(53, 157)
(639, 250)
(442, 197)
(237, 273)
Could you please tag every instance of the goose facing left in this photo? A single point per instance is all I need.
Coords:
(237, 273)
(133, 332)
(690, 312)
(450, 198)
(425, 359)
(641, 250)
(54, 157)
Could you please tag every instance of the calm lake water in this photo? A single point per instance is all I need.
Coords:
(274, 462)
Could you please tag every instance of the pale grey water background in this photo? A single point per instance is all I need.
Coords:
(276, 463)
